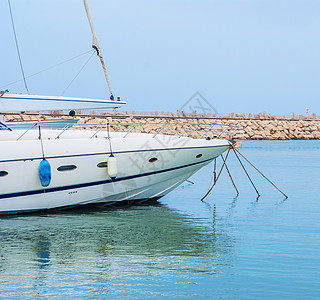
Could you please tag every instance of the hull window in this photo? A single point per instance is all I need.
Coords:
(103, 164)
(67, 168)
(3, 173)
(153, 159)
(199, 155)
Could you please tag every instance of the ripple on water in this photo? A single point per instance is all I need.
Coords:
(226, 247)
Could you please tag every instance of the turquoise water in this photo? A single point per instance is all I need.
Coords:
(226, 247)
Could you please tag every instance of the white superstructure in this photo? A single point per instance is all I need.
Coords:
(25, 102)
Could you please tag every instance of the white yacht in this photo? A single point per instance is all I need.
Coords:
(45, 169)
(82, 171)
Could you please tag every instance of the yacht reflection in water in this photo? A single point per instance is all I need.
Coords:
(101, 245)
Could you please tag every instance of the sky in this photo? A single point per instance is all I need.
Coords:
(242, 56)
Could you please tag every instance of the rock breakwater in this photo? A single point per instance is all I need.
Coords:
(259, 127)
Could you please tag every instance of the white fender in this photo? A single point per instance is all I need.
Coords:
(112, 167)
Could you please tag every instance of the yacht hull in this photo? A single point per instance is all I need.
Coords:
(148, 168)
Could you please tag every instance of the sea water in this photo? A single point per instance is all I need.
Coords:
(226, 247)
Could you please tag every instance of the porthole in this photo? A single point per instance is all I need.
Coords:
(153, 159)
(103, 164)
(67, 168)
(199, 155)
(3, 173)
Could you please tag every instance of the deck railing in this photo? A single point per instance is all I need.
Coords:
(191, 130)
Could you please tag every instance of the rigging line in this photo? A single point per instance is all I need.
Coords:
(15, 37)
(49, 68)
(78, 73)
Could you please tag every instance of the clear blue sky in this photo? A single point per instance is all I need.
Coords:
(243, 56)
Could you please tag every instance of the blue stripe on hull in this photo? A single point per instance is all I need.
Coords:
(95, 183)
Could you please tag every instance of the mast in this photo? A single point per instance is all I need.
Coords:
(95, 45)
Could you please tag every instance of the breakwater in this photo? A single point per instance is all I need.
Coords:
(257, 127)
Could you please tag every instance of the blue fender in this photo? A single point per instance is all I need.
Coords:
(45, 173)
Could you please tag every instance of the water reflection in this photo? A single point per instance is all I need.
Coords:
(101, 246)
(43, 252)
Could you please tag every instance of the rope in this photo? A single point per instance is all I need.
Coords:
(234, 150)
(3, 124)
(15, 37)
(40, 138)
(108, 131)
(230, 175)
(95, 45)
(78, 73)
(215, 181)
(215, 170)
(261, 173)
(49, 68)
